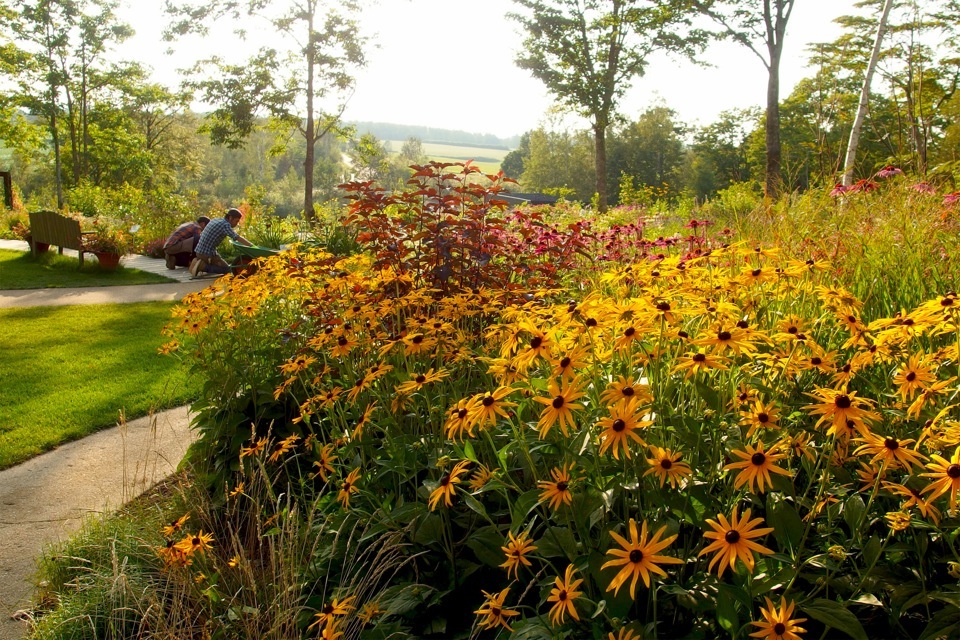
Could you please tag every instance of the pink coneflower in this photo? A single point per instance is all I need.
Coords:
(863, 185)
(923, 187)
(951, 198)
(838, 190)
(888, 172)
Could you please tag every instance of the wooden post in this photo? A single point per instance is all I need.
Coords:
(7, 189)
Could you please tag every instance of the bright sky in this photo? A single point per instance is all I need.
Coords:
(449, 64)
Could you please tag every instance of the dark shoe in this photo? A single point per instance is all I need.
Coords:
(195, 267)
(171, 261)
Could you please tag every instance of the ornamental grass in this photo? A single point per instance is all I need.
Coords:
(710, 440)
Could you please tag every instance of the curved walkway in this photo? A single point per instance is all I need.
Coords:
(45, 499)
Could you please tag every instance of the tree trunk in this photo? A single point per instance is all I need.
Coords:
(854, 141)
(57, 162)
(773, 182)
(600, 162)
(310, 133)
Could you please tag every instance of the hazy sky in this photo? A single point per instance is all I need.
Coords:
(449, 64)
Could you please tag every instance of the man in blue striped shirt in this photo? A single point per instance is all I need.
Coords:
(208, 260)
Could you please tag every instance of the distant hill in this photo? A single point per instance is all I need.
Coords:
(389, 131)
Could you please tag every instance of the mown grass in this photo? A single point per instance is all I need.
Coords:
(66, 372)
(19, 270)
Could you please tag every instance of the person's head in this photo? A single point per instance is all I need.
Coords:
(233, 217)
(202, 221)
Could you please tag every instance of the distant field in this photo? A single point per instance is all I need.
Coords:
(487, 159)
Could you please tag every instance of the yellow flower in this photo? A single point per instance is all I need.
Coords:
(889, 451)
(842, 410)
(325, 464)
(620, 427)
(332, 612)
(563, 595)
(494, 612)
(694, 363)
(558, 491)
(624, 388)
(778, 623)
(638, 557)
(560, 406)
(666, 465)
(447, 487)
(255, 449)
(945, 475)
(418, 381)
(485, 407)
(457, 424)
(733, 539)
(348, 488)
(760, 416)
(897, 520)
(176, 525)
(755, 466)
(192, 544)
(516, 551)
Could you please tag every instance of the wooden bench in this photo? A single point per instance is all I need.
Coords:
(52, 228)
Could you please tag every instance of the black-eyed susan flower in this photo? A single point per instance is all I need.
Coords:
(175, 526)
(297, 364)
(560, 406)
(667, 466)
(915, 376)
(624, 634)
(733, 539)
(569, 362)
(778, 623)
(945, 477)
(195, 543)
(625, 388)
(480, 477)
(447, 486)
(562, 596)
(729, 338)
(362, 421)
(457, 425)
(637, 557)
(620, 427)
(333, 612)
(283, 447)
(897, 520)
(254, 449)
(914, 498)
(418, 381)
(842, 410)
(889, 451)
(557, 492)
(760, 416)
(493, 613)
(755, 466)
(485, 407)
(539, 346)
(324, 463)
(348, 488)
(516, 550)
(699, 362)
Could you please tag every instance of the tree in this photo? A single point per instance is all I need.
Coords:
(302, 87)
(587, 52)
(560, 162)
(759, 25)
(649, 150)
(513, 162)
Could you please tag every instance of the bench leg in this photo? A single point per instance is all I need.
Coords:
(81, 258)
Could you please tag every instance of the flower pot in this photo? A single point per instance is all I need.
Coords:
(108, 261)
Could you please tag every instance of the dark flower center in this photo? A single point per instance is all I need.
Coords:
(565, 362)
(758, 458)
(763, 418)
(495, 612)
(815, 361)
(842, 401)
(627, 392)
(724, 336)
(755, 272)
(910, 377)
(487, 401)
(946, 302)
(536, 342)
(779, 629)
(417, 339)
(732, 536)
(420, 379)
(328, 609)
(558, 402)
(562, 486)
(891, 443)
(444, 481)
(196, 542)
(462, 413)
(666, 463)
(663, 306)
(618, 425)
(636, 556)
(629, 332)
(562, 596)
(699, 357)
(793, 330)
(953, 471)
(742, 324)
(591, 322)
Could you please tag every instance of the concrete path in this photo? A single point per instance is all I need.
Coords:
(45, 499)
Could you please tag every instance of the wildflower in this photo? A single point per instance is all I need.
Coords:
(283, 447)
(624, 388)
(540, 343)
(348, 488)
(192, 544)
(953, 570)
(915, 376)
(946, 477)
(370, 611)
(357, 433)
(566, 366)
(516, 550)
(638, 557)
(297, 364)
(447, 487)
(332, 611)
(417, 343)
(234, 562)
(666, 465)
(418, 381)
(558, 491)
(563, 595)
(505, 371)
(624, 634)
(760, 416)
(733, 539)
(888, 172)
(481, 476)
(343, 345)
(330, 632)
(694, 363)
(843, 410)
(727, 339)
(176, 525)
(914, 498)
(889, 451)
(493, 611)
(484, 408)
(325, 464)
(620, 427)
(629, 335)
(755, 466)
(778, 623)
(255, 449)
(897, 520)
(560, 406)
(457, 423)
(238, 490)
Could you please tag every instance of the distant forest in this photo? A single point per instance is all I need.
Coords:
(390, 131)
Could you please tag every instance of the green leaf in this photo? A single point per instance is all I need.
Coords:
(469, 453)
(476, 506)
(853, 510)
(786, 523)
(727, 610)
(557, 542)
(405, 598)
(487, 544)
(522, 508)
(940, 624)
(531, 630)
(836, 616)
(871, 550)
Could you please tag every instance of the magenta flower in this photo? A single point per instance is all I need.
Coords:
(951, 198)
(888, 172)
(838, 190)
(923, 187)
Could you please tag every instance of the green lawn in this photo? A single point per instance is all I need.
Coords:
(68, 371)
(20, 270)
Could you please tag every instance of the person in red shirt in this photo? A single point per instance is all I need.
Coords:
(180, 246)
